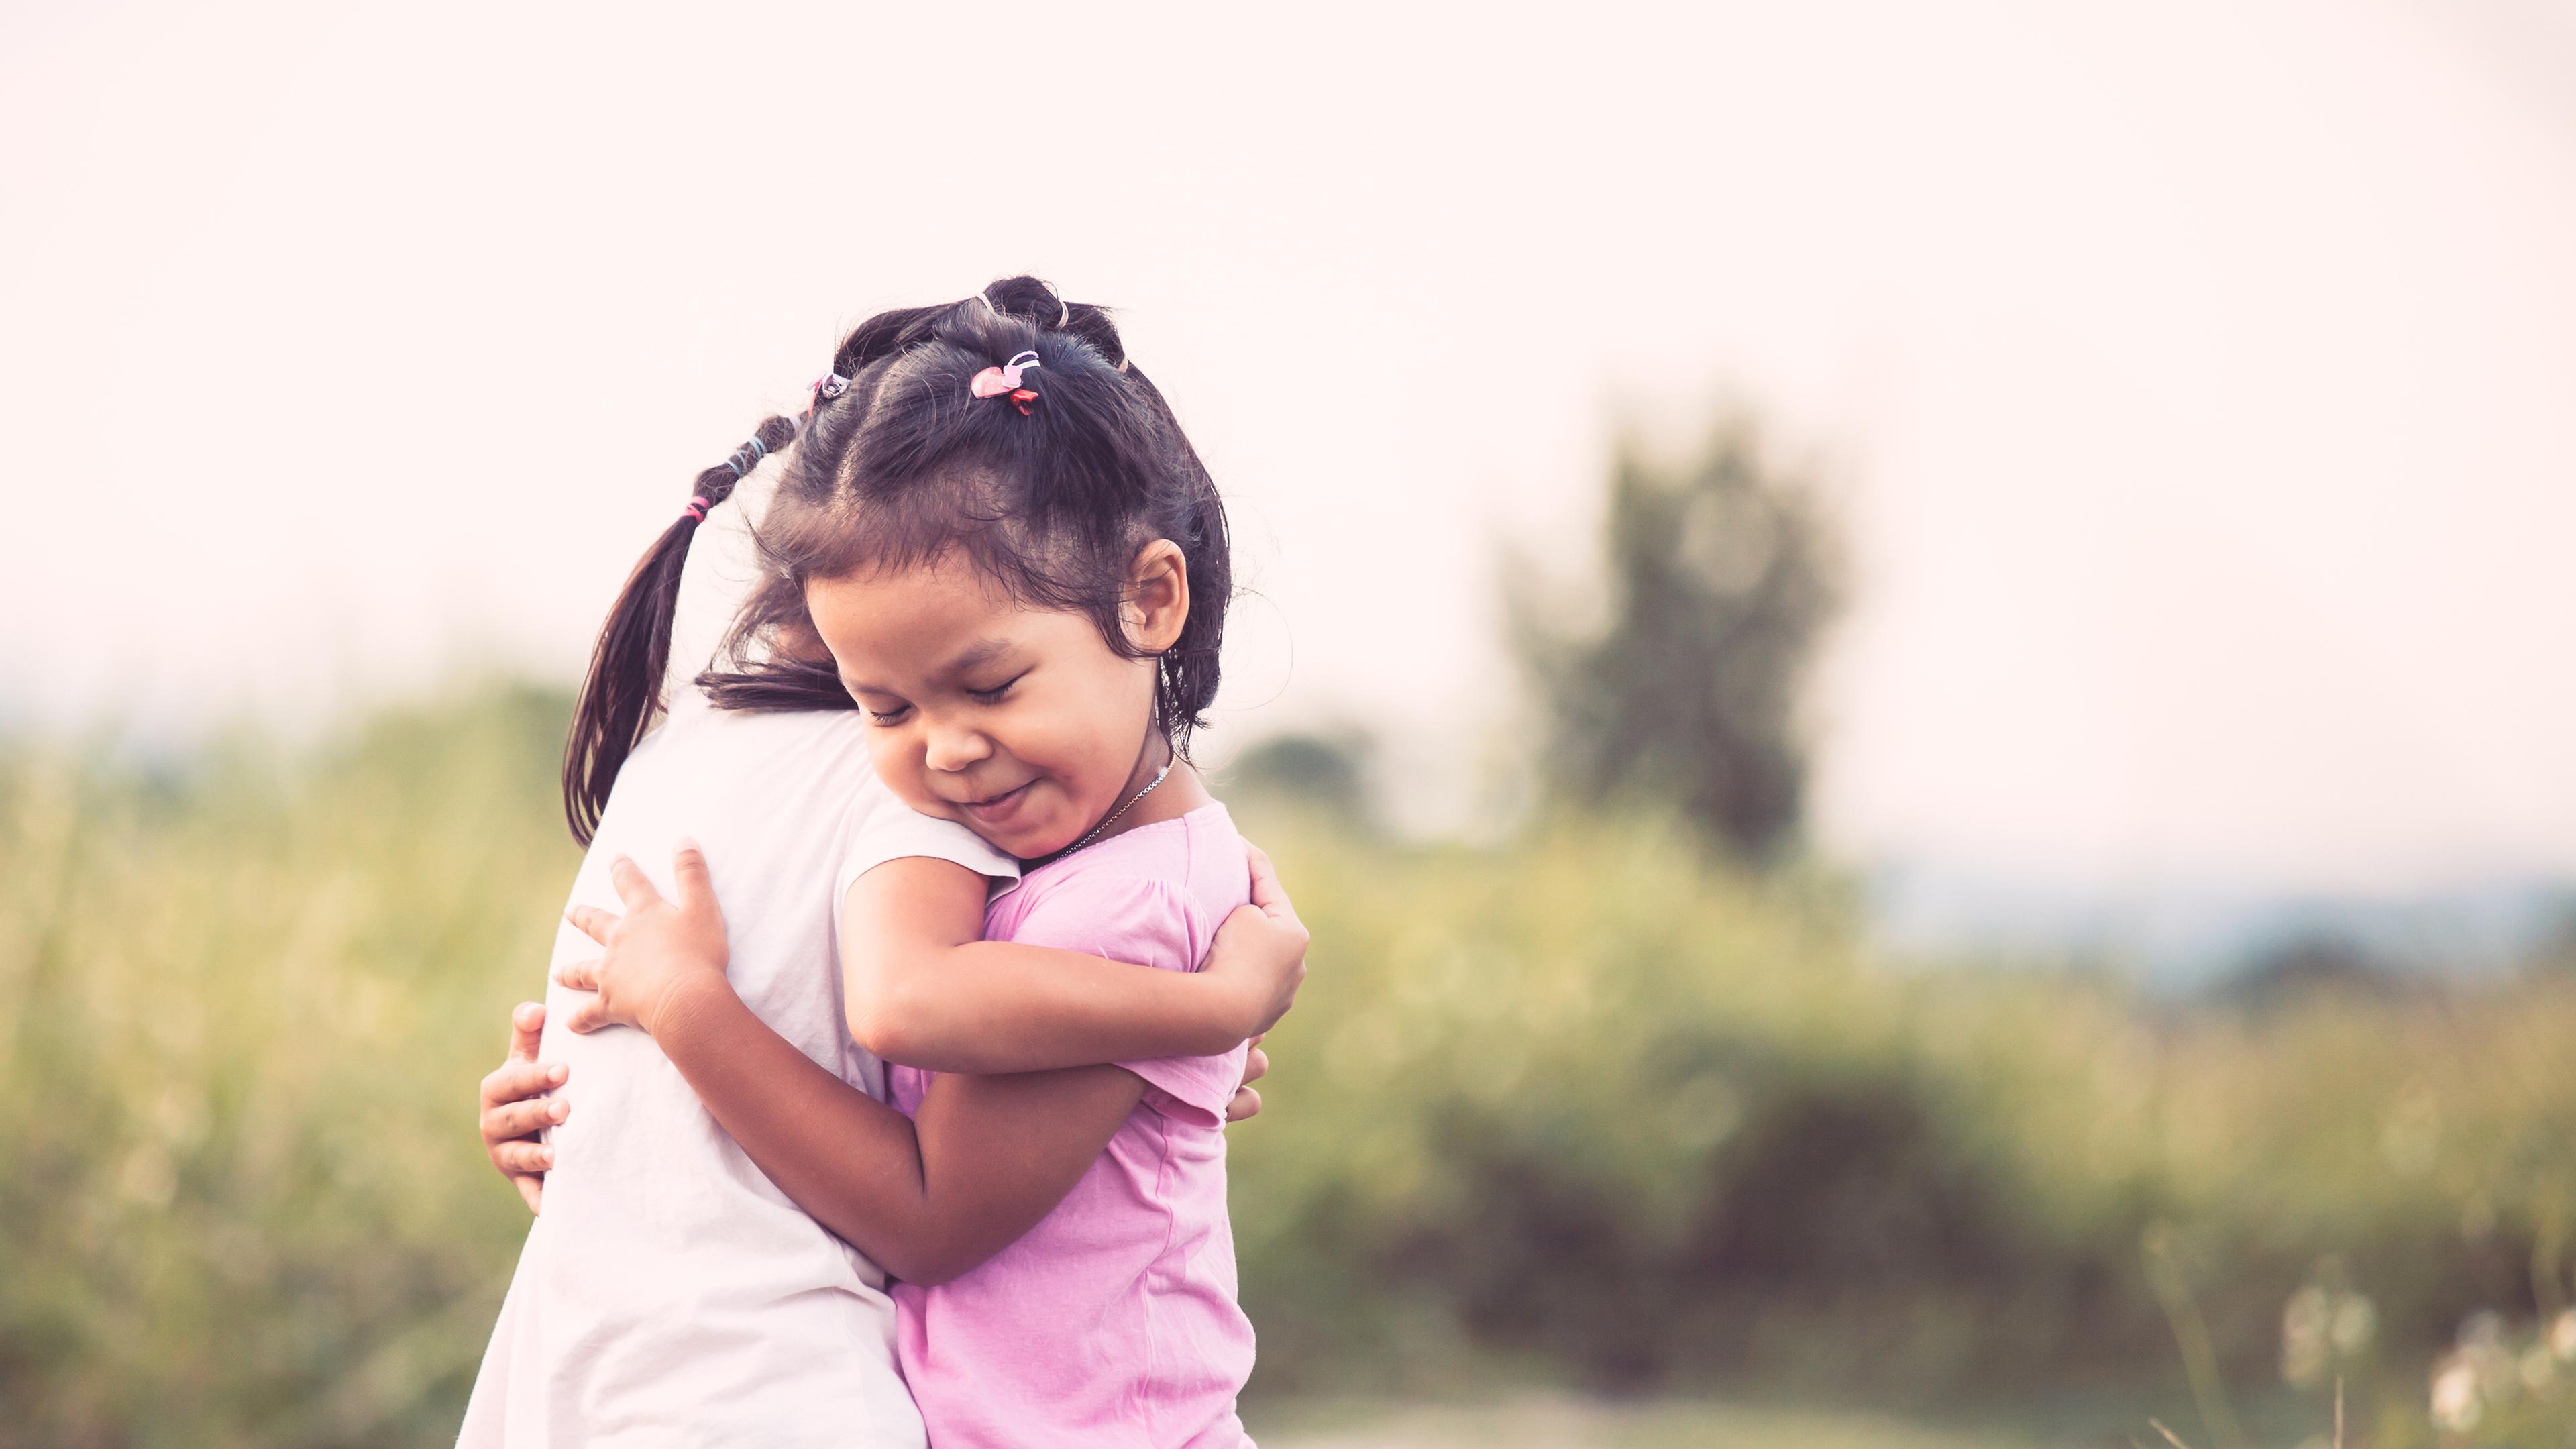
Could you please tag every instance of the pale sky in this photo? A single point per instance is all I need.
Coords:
(2198, 374)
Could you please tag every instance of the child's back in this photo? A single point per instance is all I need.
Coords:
(669, 1292)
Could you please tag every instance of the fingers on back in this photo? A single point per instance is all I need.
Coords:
(689, 874)
(522, 1156)
(632, 886)
(513, 1081)
(527, 1024)
(1265, 879)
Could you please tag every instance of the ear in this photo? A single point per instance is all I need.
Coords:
(1158, 596)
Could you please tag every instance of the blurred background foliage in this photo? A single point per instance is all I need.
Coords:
(1718, 578)
(1619, 1103)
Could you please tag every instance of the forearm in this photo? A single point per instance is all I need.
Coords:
(989, 1158)
(990, 1007)
(851, 1162)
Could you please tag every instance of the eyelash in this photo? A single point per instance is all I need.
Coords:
(981, 696)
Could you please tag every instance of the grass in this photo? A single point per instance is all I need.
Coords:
(1523, 1420)
(1583, 1113)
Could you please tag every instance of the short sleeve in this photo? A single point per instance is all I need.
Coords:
(887, 829)
(1143, 922)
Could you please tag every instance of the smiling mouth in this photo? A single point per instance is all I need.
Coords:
(994, 806)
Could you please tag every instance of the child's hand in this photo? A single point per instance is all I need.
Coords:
(1247, 1102)
(660, 952)
(1261, 950)
(516, 1107)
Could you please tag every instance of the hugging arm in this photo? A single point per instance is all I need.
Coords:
(927, 1199)
(924, 989)
(518, 1102)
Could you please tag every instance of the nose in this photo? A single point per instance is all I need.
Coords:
(952, 748)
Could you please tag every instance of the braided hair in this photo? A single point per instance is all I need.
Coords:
(622, 692)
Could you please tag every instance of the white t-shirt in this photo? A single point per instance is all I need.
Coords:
(670, 1294)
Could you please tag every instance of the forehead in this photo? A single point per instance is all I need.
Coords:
(884, 607)
(948, 584)
(924, 620)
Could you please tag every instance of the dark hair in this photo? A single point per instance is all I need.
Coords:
(623, 690)
(1050, 499)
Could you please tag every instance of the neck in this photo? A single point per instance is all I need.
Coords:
(1180, 793)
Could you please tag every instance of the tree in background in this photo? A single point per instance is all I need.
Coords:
(1721, 576)
(1323, 771)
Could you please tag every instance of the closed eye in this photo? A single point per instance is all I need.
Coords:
(891, 715)
(994, 694)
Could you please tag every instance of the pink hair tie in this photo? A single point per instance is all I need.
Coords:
(697, 509)
(1005, 379)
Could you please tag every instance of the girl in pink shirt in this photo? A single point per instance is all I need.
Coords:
(1018, 567)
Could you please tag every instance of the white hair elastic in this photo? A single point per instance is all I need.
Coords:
(1063, 309)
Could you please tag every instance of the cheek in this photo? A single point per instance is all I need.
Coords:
(1086, 732)
(1040, 733)
(897, 764)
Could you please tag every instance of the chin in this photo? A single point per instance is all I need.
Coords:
(1037, 846)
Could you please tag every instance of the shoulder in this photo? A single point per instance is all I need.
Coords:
(1125, 916)
(1158, 890)
(1101, 895)
(1220, 859)
(878, 827)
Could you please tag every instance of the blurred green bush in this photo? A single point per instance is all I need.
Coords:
(1587, 1105)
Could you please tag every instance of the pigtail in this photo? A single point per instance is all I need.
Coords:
(755, 674)
(623, 690)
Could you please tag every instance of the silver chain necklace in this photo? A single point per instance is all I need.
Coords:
(1114, 814)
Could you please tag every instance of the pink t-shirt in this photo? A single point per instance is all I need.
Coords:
(1113, 1321)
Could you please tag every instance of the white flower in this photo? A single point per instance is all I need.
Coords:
(2455, 1398)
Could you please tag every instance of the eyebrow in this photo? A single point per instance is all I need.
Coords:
(982, 651)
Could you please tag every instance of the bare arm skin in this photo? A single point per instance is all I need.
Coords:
(923, 988)
(517, 1103)
(918, 994)
(929, 1198)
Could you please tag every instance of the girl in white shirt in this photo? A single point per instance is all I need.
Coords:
(669, 1292)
